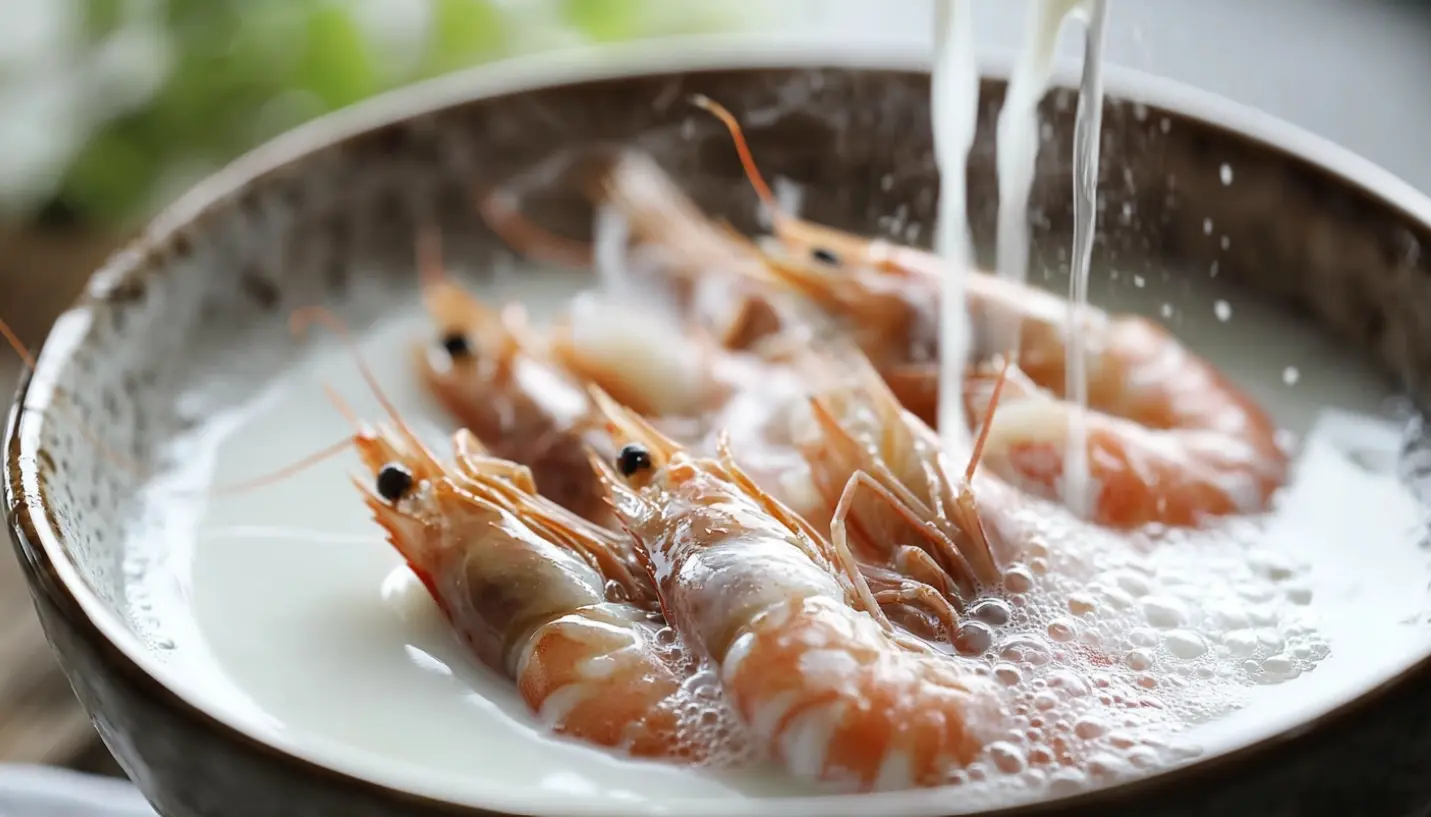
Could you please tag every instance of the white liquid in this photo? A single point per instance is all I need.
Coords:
(1017, 146)
(290, 613)
(1088, 125)
(954, 111)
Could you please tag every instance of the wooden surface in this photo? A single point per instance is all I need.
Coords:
(40, 720)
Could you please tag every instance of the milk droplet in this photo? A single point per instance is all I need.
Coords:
(1223, 310)
(1207, 226)
(1225, 174)
(1290, 375)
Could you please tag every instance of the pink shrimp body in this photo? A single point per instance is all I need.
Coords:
(1137, 473)
(1173, 441)
(588, 662)
(826, 689)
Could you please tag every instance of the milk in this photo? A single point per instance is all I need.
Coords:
(291, 614)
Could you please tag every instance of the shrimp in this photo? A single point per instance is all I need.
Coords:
(588, 661)
(524, 392)
(918, 531)
(705, 270)
(1175, 442)
(490, 371)
(822, 681)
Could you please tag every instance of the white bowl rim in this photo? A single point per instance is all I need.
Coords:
(664, 56)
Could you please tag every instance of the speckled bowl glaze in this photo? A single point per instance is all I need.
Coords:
(162, 339)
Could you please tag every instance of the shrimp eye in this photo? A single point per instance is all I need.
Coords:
(456, 345)
(825, 256)
(633, 459)
(394, 481)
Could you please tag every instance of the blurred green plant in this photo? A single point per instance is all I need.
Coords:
(232, 73)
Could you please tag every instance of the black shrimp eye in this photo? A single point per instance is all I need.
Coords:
(633, 458)
(825, 256)
(394, 481)
(456, 345)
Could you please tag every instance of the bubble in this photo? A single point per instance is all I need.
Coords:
(973, 638)
(1008, 674)
(1240, 642)
(1279, 665)
(1164, 612)
(1139, 660)
(1045, 701)
(1082, 604)
(1068, 682)
(1007, 757)
(1185, 644)
(1143, 637)
(1061, 629)
(1025, 649)
(1018, 579)
(992, 611)
(1131, 583)
(1089, 728)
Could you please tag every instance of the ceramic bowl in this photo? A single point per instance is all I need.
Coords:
(164, 339)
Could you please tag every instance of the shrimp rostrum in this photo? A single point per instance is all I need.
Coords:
(823, 682)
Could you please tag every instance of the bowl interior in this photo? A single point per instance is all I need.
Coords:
(186, 331)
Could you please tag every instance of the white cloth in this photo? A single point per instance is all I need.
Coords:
(42, 791)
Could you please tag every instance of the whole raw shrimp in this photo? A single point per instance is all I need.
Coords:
(1170, 440)
(821, 679)
(701, 270)
(538, 594)
(499, 380)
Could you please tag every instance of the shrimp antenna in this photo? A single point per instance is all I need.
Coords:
(747, 161)
(430, 269)
(286, 471)
(127, 464)
(105, 451)
(988, 420)
(308, 461)
(523, 235)
(298, 322)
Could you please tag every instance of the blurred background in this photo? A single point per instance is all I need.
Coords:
(110, 108)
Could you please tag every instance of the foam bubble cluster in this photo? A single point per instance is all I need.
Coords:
(1112, 646)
